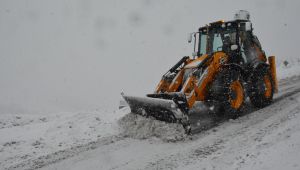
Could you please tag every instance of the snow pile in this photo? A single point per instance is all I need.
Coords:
(139, 127)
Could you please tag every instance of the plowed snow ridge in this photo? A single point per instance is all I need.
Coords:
(139, 127)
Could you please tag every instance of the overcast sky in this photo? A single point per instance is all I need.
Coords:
(63, 55)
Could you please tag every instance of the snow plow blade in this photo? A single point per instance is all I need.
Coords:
(157, 106)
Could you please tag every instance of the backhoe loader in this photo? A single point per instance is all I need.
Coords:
(228, 65)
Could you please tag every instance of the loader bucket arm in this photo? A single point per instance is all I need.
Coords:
(174, 106)
(168, 84)
(195, 88)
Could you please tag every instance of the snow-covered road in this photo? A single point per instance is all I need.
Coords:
(259, 139)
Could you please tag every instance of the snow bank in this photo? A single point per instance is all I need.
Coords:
(140, 127)
(289, 70)
(26, 137)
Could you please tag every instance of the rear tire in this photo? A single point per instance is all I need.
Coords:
(262, 89)
(228, 93)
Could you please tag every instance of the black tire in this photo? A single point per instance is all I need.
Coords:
(262, 89)
(214, 107)
(228, 100)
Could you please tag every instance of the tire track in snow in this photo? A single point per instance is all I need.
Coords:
(64, 154)
(288, 88)
(248, 130)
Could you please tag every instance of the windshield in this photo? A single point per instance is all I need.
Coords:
(202, 44)
(219, 38)
(201, 41)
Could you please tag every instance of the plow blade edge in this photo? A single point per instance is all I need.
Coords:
(161, 109)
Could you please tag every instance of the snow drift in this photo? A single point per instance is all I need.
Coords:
(139, 127)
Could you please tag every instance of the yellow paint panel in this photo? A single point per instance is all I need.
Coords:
(176, 82)
(195, 62)
(272, 63)
(199, 90)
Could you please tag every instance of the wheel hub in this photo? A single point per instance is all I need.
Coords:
(236, 94)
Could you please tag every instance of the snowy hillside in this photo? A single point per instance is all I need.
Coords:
(64, 65)
(70, 56)
(93, 140)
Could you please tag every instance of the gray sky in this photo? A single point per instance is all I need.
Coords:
(61, 55)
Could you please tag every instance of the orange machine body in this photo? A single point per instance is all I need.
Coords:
(194, 88)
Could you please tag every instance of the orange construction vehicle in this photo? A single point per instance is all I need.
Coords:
(228, 65)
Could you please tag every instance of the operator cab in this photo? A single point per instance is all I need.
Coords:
(235, 38)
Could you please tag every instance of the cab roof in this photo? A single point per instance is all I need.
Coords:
(220, 22)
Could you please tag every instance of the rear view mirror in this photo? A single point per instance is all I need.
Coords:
(234, 47)
(190, 37)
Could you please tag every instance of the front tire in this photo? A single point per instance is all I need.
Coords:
(228, 92)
